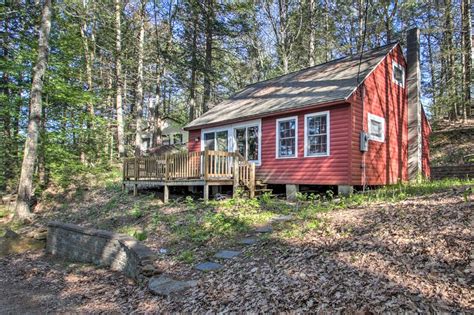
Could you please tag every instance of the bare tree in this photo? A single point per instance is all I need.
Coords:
(285, 33)
(139, 87)
(119, 79)
(25, 187)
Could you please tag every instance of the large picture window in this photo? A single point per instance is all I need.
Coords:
(317, 134)
(243, 137)
(287, 140)
(246, 140)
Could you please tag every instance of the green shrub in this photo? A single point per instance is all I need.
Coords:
(186, 256)
(140, 235)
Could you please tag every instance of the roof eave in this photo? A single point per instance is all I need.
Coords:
(267, 114)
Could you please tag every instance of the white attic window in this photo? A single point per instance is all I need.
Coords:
(398, 74)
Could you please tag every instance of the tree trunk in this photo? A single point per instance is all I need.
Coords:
(208, 61)
(139, 88)
(25, 187)
(466, 56)
(119, 80)
(449, 59)
(192, 87)
(312, 36)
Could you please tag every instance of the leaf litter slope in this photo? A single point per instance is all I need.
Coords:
(414, 255)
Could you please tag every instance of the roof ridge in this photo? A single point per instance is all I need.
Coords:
(318, 65)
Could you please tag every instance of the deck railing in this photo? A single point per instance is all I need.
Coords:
(206, 165)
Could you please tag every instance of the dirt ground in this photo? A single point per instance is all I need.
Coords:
(416, 255)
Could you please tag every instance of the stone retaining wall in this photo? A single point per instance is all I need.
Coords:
(116, 251)
(456, 171)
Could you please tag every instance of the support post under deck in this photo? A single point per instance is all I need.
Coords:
(235, 174)
(206, 191)
(166, 193)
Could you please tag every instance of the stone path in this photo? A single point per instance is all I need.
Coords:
(208, 266)
(163, 285)
(227, 254)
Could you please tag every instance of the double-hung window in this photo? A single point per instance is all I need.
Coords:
(287, 137)
(246, 140)
(316, 133)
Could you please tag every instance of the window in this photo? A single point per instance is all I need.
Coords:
(177, 138)
(376, 128)
(398, 74)
(241, 137)
(216, 140)
(317, 134)
(166, 140)
(246, 140)
(287, 141)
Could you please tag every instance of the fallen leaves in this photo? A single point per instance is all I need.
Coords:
(413, 256)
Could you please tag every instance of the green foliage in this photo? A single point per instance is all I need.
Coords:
(186, 256)
(138, 234)
(4, 212)
(137, 212)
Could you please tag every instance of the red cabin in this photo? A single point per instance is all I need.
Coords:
(348, 122)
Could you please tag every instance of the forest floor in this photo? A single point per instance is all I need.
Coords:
(452, 143)
(406, 250)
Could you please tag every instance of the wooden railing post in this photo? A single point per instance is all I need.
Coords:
(252, 180)
(167, 167)
(206, 164)
(235, 174)
(137, 170)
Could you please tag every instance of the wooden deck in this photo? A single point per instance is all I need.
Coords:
(205, 168)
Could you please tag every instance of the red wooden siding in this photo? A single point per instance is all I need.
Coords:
(194, 146)
(425, 142)
(329, 170)
(385, 162)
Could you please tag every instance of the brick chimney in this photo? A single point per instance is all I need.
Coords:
(414, 105)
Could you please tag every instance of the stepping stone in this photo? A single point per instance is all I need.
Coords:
(248, 241)
(264, 229)
(282, 218)
(164, 285)
(208, 266)
(227, 254)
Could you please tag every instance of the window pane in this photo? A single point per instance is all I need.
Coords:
(287, 135)
(252, 141)
(316, 134)
(375, 128)
(240, 139)
(222, 141)
(209, 142)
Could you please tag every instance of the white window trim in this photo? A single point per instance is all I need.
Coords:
(328, 131)
(231, 136)
(277, 144)
(380, 120)
(397, 65)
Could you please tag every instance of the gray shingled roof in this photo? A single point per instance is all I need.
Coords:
(331, 81)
